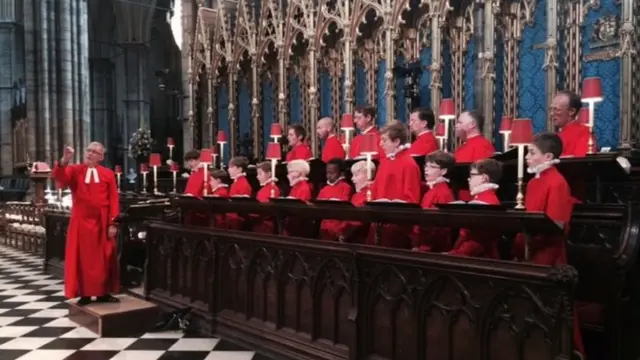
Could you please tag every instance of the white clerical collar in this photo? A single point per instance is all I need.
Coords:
(437, 181)
(484, 187)
(92, 172)
(335, 182)
(368, 129)
(235, 178)
(537, 170)
(269, 181)
(218, 187)
(298, 180)
(400, 149)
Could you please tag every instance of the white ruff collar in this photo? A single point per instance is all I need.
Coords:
(336, 182)
(400, 149)
(234, 178)
(437, 181)
(484, 187)
(269, 181)
(91, 173)
(295, 181)
(363, 186)
(218, 187)
(542, 167)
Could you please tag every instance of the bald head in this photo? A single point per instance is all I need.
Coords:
(324, 127)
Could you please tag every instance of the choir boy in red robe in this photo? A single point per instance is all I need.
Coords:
(474, 147)
(297, 172)
(299, 149)
(332, 148)
(91, 265)
(355, 230)
(365, 121)
(195, 184)
(437, 166)
(398, 179)
(484, 176)
(565, 108)
(219, 188)
(268, 190)
(548, 192)
(421, 122)
(337, 189)
(239, 188)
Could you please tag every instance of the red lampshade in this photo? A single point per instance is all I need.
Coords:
(440, 129)
(276, 130)
(155, 160)
(274, 152)
(174, 167)
(214, 151)
(118, 169)
(171, 142)
(144, 168)
(222, 136)
(347, 122)
(369, 144)
(583, 116)
(447, 108)
(591, 89)
(521, 132)
(505, 124)
(206, 156)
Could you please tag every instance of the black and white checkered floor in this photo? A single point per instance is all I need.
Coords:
(34, 325)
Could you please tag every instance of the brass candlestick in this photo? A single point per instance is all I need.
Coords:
(591, 124)
(520, 196)
(118, 180)
(155, 180)
(175, 180)
(144, 182)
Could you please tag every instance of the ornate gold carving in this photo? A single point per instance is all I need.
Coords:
(460, 32)
(627, 32)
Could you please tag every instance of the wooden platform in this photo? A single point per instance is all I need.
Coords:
(130, 317)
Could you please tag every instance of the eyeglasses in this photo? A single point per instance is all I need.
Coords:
(94, 151)
(474, 174)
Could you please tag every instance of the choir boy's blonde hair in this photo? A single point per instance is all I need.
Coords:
(361, 166)
(300, 166)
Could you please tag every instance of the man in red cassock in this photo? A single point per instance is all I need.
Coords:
(195, 184)
(91, 266)
(565, 108)
(421, 122)
(364, 118)
(332, 148)
(474, 147)
(299, 150)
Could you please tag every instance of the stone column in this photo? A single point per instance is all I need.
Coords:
(188, 25)
(44, 123)
(11, 52)
(56, 148)
(65, 74)
(31, 57)
(85, 93)
(133, 34)
(102, 103)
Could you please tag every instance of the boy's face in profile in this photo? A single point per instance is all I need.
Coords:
(433, 171)
(333, 173)
(234, 171)
(263, 176)
(535, 157)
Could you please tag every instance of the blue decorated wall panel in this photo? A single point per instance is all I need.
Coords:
(447, 70)
(499, 94)
(607, 112)
(381, 94)
(425, 78)
(325, 94)
(244, 114)
(295, 100)
(469, 76)
(268, 110)
(223, 115)
(531, 89)
(401, 108)
(360, 84)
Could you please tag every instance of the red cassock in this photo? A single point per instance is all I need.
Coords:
(575, 139)
(240, 187)
(356, 144)
(195, 184)
(433, 238)
(474, 149)
(341, 191)
(301, 151)
(332, 149)
(550, 193)
(398, 178)
(424, 144)
(265, 225)
(479, 243)
(91, 265)
(223, 192)
(355, 229)
(296, 226)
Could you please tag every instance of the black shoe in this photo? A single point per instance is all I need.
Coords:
(85, 300)
(107, 299)
(576, 355)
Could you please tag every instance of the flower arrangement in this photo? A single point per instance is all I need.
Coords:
(140, 143)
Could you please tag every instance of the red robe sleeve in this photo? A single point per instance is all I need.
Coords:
(65, 175)
(195, 184)
(411, 185)
(332, 149)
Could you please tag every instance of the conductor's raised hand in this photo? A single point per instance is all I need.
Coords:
(67, 154)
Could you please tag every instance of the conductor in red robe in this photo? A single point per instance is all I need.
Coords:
(565, 108)
(299, 150)
(365, 121)
(421, 122)
(332, 148)
(91, 267)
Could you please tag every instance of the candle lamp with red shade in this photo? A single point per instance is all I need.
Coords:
(505, 130)
(144, 170)
(440, 135)
(274, 153)
(171, 143)
(221, 139)
(118, 171)
(275, 132)
(155, 161)
(447, 113)
(174, 170)
(521, 137)
(206, 159)
(591, 94)
(346, 125)
(369, 148)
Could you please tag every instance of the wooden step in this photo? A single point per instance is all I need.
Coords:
(130, 317)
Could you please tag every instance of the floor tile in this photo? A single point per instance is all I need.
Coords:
(80, 332)
(202, 344)
(23, 343)
(230, 355)
(27, 321)
(25, 298)
(15, 331)
(67, 344)
(39, 305)
(225, 345)
(91, 355)
(138, 355)
(47, 355)
(51, 313)
(60, 322)
(152, 344)
(184, 355)
(6, 320)
(12, 354)
(110, 344)
(48, 332)
(164, 335)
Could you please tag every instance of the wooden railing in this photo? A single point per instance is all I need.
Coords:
(305, 299)
(23, 226)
